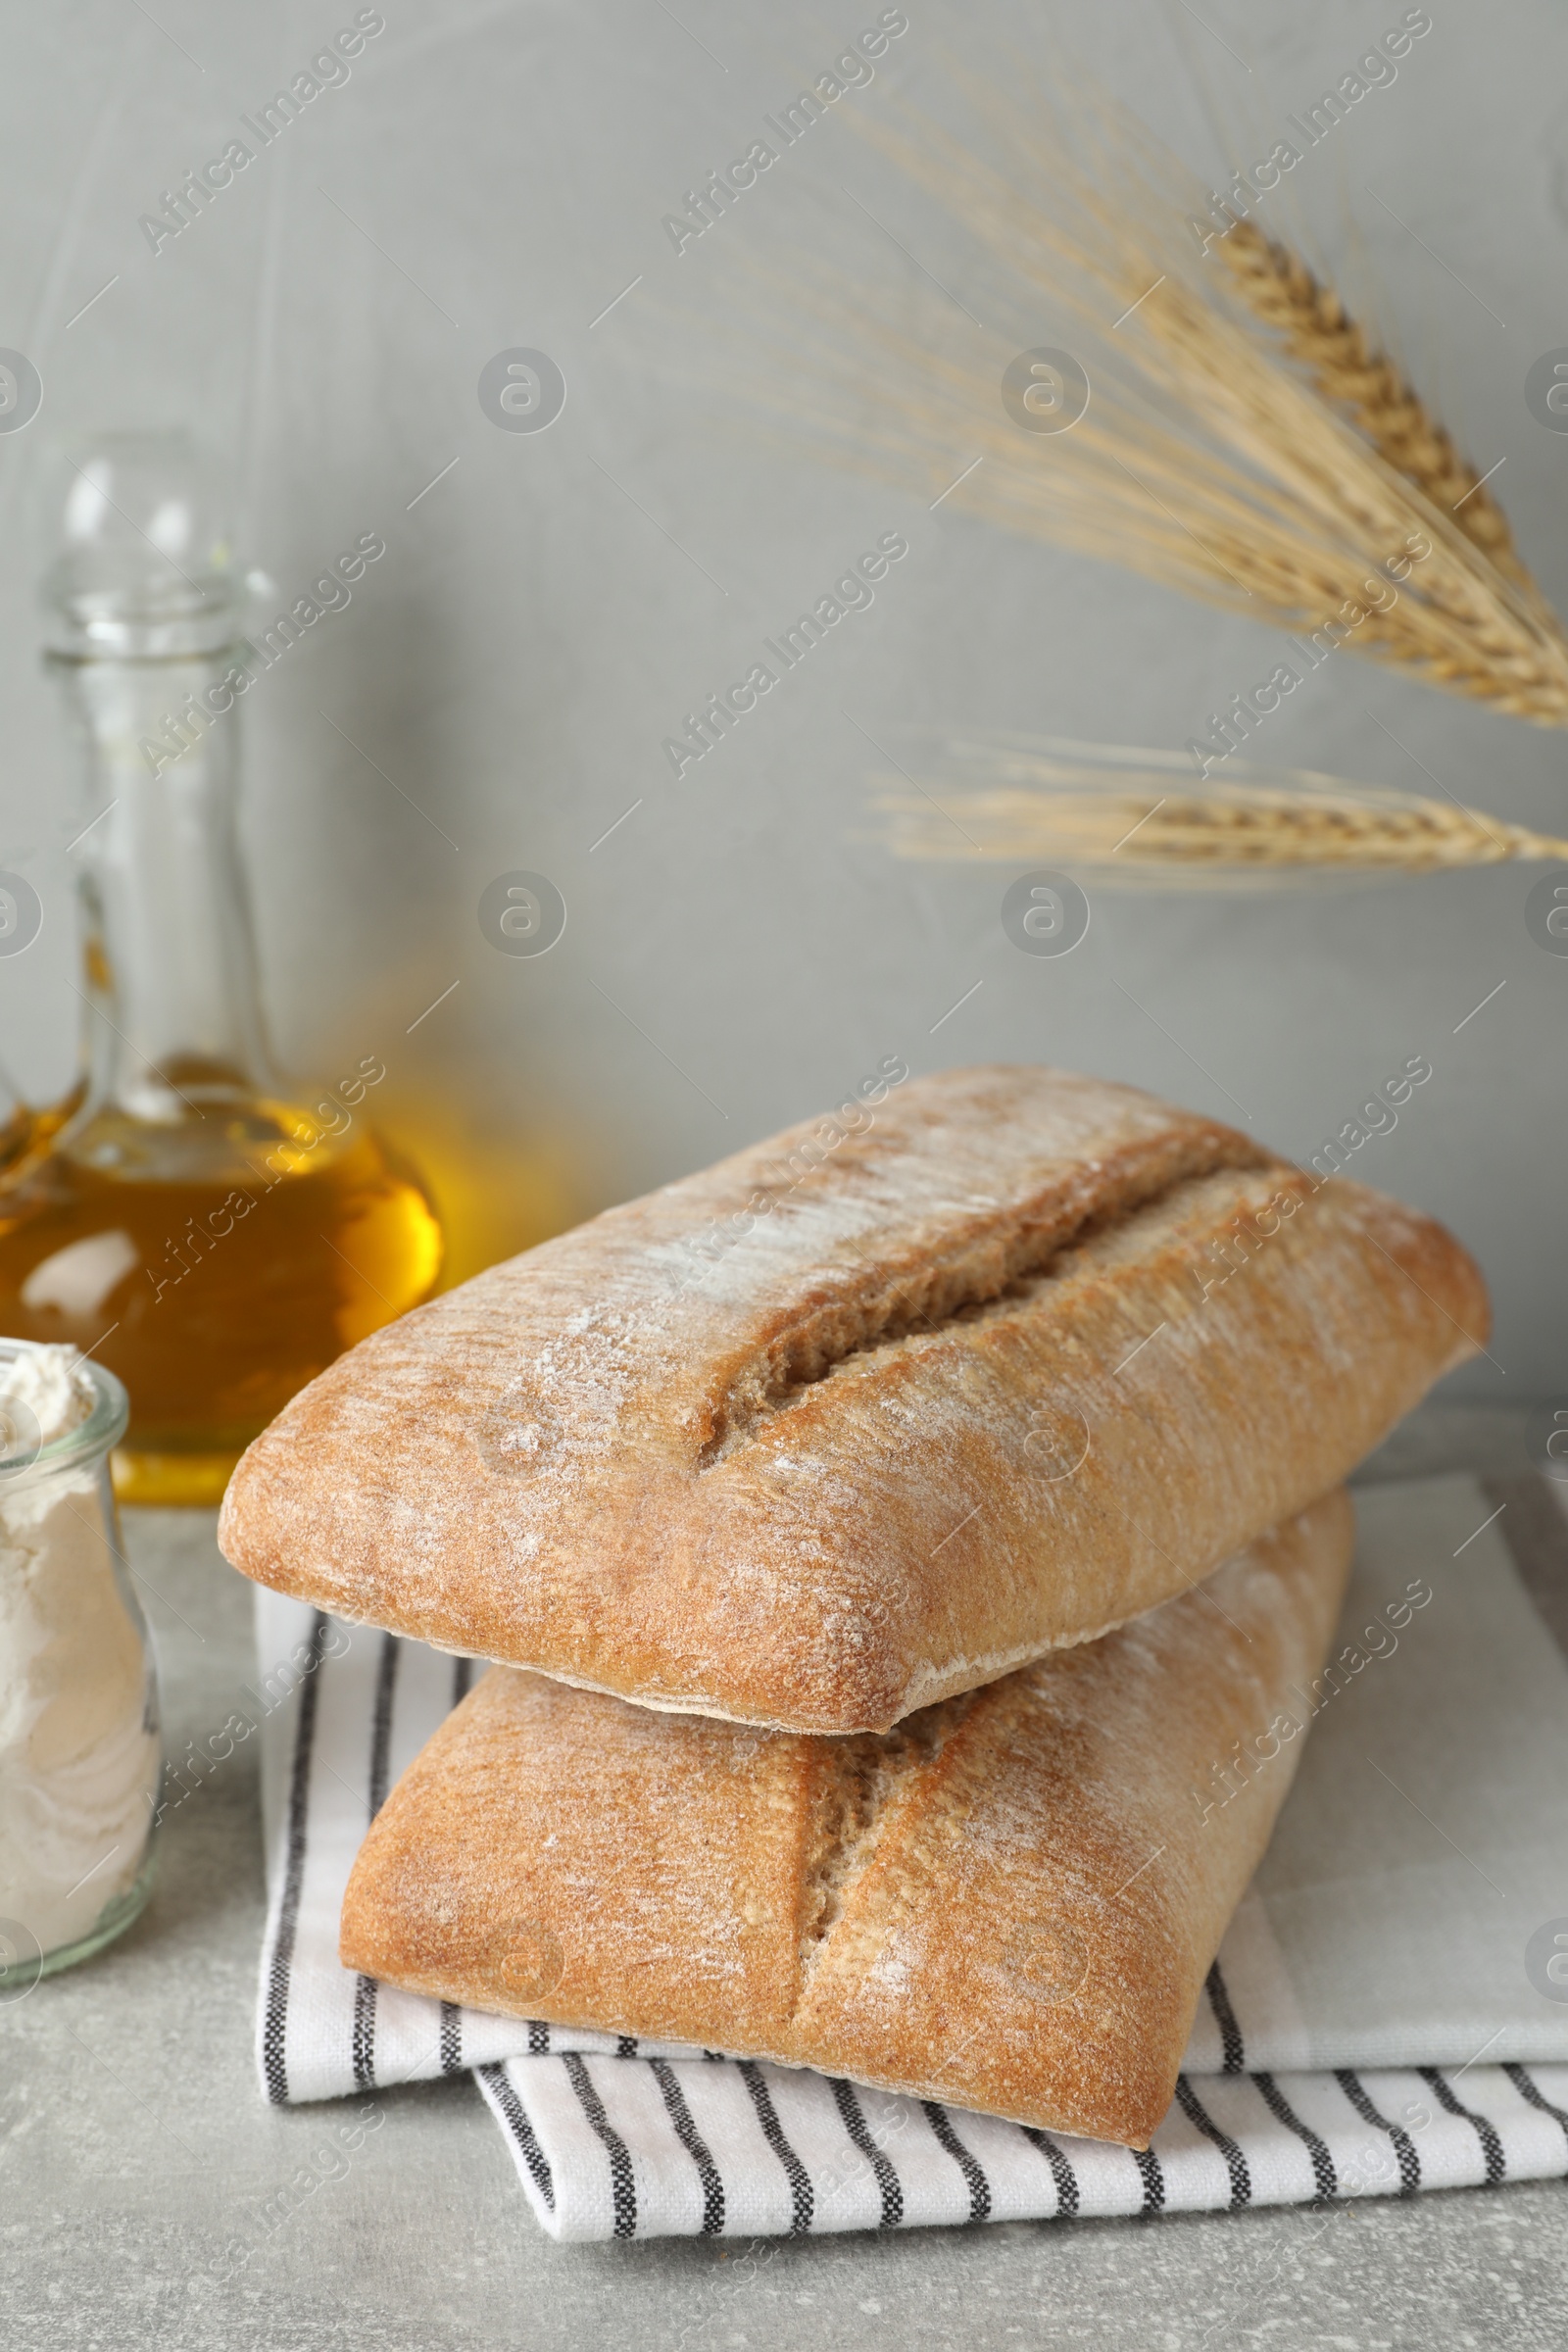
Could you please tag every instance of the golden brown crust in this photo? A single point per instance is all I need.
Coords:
(826, 1476)
(1009, 1902)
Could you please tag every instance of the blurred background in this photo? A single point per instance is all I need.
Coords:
(739, 949)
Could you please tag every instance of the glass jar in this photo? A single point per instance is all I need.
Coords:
(212, 1234)
(80, 1752)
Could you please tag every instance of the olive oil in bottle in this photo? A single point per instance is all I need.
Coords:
(211, 1234)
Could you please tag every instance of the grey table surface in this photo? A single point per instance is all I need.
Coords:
(135, 2146)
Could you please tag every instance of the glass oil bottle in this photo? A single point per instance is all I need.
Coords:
(212, 1236)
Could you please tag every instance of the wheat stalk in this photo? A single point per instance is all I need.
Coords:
(1136, 818)
(1204, 460)
(1347, 368)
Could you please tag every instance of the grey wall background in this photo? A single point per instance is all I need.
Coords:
(734, 959)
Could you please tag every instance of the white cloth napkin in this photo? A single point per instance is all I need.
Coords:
(1380, 2017)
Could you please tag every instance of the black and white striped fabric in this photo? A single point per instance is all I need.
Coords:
(655, 2147)
(1375, 2022)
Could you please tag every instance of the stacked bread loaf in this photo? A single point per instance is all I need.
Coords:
(885, 1539)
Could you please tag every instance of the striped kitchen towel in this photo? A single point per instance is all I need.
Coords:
(1389, 2011)
(658, 2147)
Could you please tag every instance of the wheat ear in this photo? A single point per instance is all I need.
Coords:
(1206, 457)
(1319, 333)
(1140, 817)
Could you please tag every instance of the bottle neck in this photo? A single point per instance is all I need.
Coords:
(173, 1019)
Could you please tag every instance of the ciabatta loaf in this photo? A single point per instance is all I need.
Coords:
(868, 1414)
(1010, 1902)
